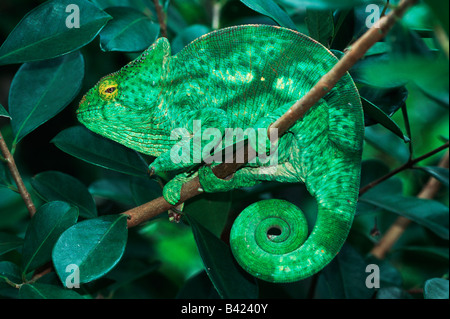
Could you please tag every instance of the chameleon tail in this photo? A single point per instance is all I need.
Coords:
(269, 239)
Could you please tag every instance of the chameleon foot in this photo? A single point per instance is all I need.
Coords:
(172, 190)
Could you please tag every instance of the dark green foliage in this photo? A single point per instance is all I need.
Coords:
(403, 81)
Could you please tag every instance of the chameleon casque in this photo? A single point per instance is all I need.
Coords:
(246, 77)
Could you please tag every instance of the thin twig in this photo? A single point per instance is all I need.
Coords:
(396, 230)
(296, 112)
(408, 165)
(161, 18)
(16, 176)
(386, 6)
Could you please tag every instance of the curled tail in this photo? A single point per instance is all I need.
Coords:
(269, 239)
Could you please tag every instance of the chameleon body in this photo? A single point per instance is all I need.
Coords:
(246, 77)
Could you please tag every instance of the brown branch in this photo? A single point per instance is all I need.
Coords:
(398, 228)
(161, 18)
(296, 112)
(408, 165)
(16, 176)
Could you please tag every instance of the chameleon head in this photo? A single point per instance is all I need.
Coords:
(123, 106)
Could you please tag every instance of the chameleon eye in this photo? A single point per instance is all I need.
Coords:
(108, 89)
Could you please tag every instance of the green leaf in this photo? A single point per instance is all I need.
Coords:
(3, 112)
(382, 118)
(440, 173)
(145, 190)
(78, 141)
(386, 141)
(345, 277)
(46, 291)
(9, 242)
(387, 100)
(9, 272)
(210, 210)
(187, 35)
(227, 277)
(40, 90)
(372, 170)
(114, 189)
(43, 34)
(198, 286)
(272, 10)
(440, 9)
(436, 288)
(95, 246)
(328, 4)
(428, 213)
(54, 186)
(392, 293)
(431, 75)
(129, 31)
(320, 25)
(49, 222)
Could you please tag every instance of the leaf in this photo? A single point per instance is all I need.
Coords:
(440, 173)
(345, 277)
(9, 242)
(198, 286)
(272, 10)
(392, 293)
(49, 222)
(436, 288)
(227, 277)
(372, 170)
(428, 213)
(54, 186)
(187, 35)
(382, 118)
(320, 25)
(46, 291)
(78, 141)
(328, 4)
(9, 272)
(431, 75)
(3, 112)
(384, 141)
(440, 9)
(114, 189)
(129, 31)
(40, 90)
(210, 210)
(387, 100)
(95, 246)
(145, 190)
(43, 34)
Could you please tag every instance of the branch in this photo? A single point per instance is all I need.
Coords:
(398, 228)
(410, 164)
(16, 176)
(161, 18)
(296, 112)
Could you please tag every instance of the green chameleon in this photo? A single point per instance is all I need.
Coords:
(246, 77)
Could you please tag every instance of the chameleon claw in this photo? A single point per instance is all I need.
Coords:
(200, 189)
(152, 171)
(175, 214)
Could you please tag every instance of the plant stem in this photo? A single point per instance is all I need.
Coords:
(399, 226)
(296, 112)
(16, 176)
(161, 18)
(408, 165)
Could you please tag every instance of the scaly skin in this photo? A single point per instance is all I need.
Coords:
(246, 77)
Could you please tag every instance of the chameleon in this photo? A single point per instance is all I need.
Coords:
(245, 77)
